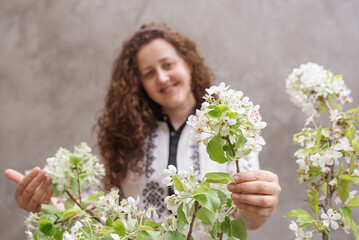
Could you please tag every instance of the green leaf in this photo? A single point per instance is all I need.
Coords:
(350, 132)
(241, 140)
(171, 235)
(50, 217)
(132, 225)
(354, 228)
(354, 202)
(107, 229)
(182, 212)
(120, 228)
(49, 209)
(296, 213)
(239, 229)
(69, 203)
(215, 151)
(109, 222)
(345, 177)
(352, 164)
(206, 216)
(324, 188)
(240, 153)
(217, 111)
(218, 177)
(322, 107)
(96, 195)
(201, 190)
(343, 190)
(226, 226)
(313, 201)
(319, 135)
(222, 196)
(355, 145)
(354, 110)
(66, 214)
(303, 152)
(177, 183)
(305, 219)
(74, 186)
(47, 228)
(147, 235)
(210, 201)
(75, 158)
(58, 235)
(346, 212)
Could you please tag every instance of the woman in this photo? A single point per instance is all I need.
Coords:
(158, 80)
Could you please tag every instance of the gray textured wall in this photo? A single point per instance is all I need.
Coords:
(56, 59)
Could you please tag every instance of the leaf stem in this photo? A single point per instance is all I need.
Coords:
(196, 208)
(234, 152)
(97, 218)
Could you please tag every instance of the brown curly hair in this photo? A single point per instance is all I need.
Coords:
(129, 115)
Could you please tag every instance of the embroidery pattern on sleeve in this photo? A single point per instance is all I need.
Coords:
(195, 158)
(149, 154)
(154, 194)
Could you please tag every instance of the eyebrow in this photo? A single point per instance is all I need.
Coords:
(161, 60)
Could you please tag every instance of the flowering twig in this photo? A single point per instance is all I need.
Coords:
(196, 208)
(97, 218)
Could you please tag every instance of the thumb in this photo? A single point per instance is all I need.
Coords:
(14, 175)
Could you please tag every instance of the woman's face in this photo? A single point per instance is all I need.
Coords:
(165, 76)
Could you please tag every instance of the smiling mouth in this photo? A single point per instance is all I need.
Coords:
(169, 89)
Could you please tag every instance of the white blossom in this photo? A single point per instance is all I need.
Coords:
(330, 218)
(310, 83)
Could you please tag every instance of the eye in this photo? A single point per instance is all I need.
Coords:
(167, 65)
(148, 74)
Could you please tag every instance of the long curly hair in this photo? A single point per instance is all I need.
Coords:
(129, 115)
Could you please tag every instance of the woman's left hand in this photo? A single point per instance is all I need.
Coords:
(256, 193)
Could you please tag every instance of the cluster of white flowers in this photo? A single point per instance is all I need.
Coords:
(310, 84)
(323, 157)
(189, 182)
(225, 110)
(58, 168)
(299, 233)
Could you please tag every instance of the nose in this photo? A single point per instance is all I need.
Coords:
(162, 75)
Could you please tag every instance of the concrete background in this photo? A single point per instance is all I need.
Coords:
(56, 58)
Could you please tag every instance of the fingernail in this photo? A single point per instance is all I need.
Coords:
(236, 178)
(231, 187)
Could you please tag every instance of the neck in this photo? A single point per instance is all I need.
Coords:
(179, 115)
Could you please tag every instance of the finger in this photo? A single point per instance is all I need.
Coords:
(260, 175)
(256, 211)
(25, 181)
(255, 187)
(48, 196)
(266, 201)
(30, 189)
(39, 195)
(14, 175)
(46, 199)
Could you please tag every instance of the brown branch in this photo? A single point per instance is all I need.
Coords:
(220, 235)
(78, 182)
(196, 208)
(234, 152)
(97, 218)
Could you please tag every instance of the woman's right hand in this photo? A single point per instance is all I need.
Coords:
(32, 189)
